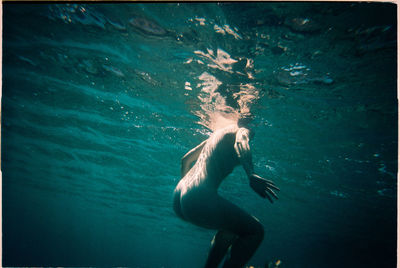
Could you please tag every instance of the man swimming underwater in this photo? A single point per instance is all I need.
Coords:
(196, 198)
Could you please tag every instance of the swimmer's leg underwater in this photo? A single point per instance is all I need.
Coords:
(237, 230)
(219, 247)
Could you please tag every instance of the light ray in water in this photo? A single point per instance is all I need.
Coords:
(247, 95)
(215, 112)
(222, 61)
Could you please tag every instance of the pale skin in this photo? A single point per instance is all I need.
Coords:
(196, 199)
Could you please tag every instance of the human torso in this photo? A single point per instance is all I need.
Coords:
(216, 161)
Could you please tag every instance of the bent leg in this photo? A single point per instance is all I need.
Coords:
(219, 247)
(212, 211)
(243, 249)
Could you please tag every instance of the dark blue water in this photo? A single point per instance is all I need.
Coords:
(100, 102)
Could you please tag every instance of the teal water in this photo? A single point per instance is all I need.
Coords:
(100, 102)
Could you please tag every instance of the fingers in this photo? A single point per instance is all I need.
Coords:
(271, 192)
(269, 198)
(239, 149)
(270, 184)
(264, 187)
(273, 187)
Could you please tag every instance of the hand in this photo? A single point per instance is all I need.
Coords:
(263, 187)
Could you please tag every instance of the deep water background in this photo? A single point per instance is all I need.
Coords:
(100, 102)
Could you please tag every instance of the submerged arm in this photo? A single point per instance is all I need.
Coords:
(242, 148)
(260, 185)
(190, 157)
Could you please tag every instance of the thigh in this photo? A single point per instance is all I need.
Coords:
(234, 219)
(212, 211)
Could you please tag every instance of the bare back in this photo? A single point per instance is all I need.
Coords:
(216, 161)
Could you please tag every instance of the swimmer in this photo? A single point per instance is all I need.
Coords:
(196, 199)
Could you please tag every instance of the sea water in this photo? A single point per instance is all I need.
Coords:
(101, 101)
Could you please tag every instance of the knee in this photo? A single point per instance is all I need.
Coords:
(258, 232)
(254, 229)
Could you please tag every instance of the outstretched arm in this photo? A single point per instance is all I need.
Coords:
(190, 157)
(260, 185)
